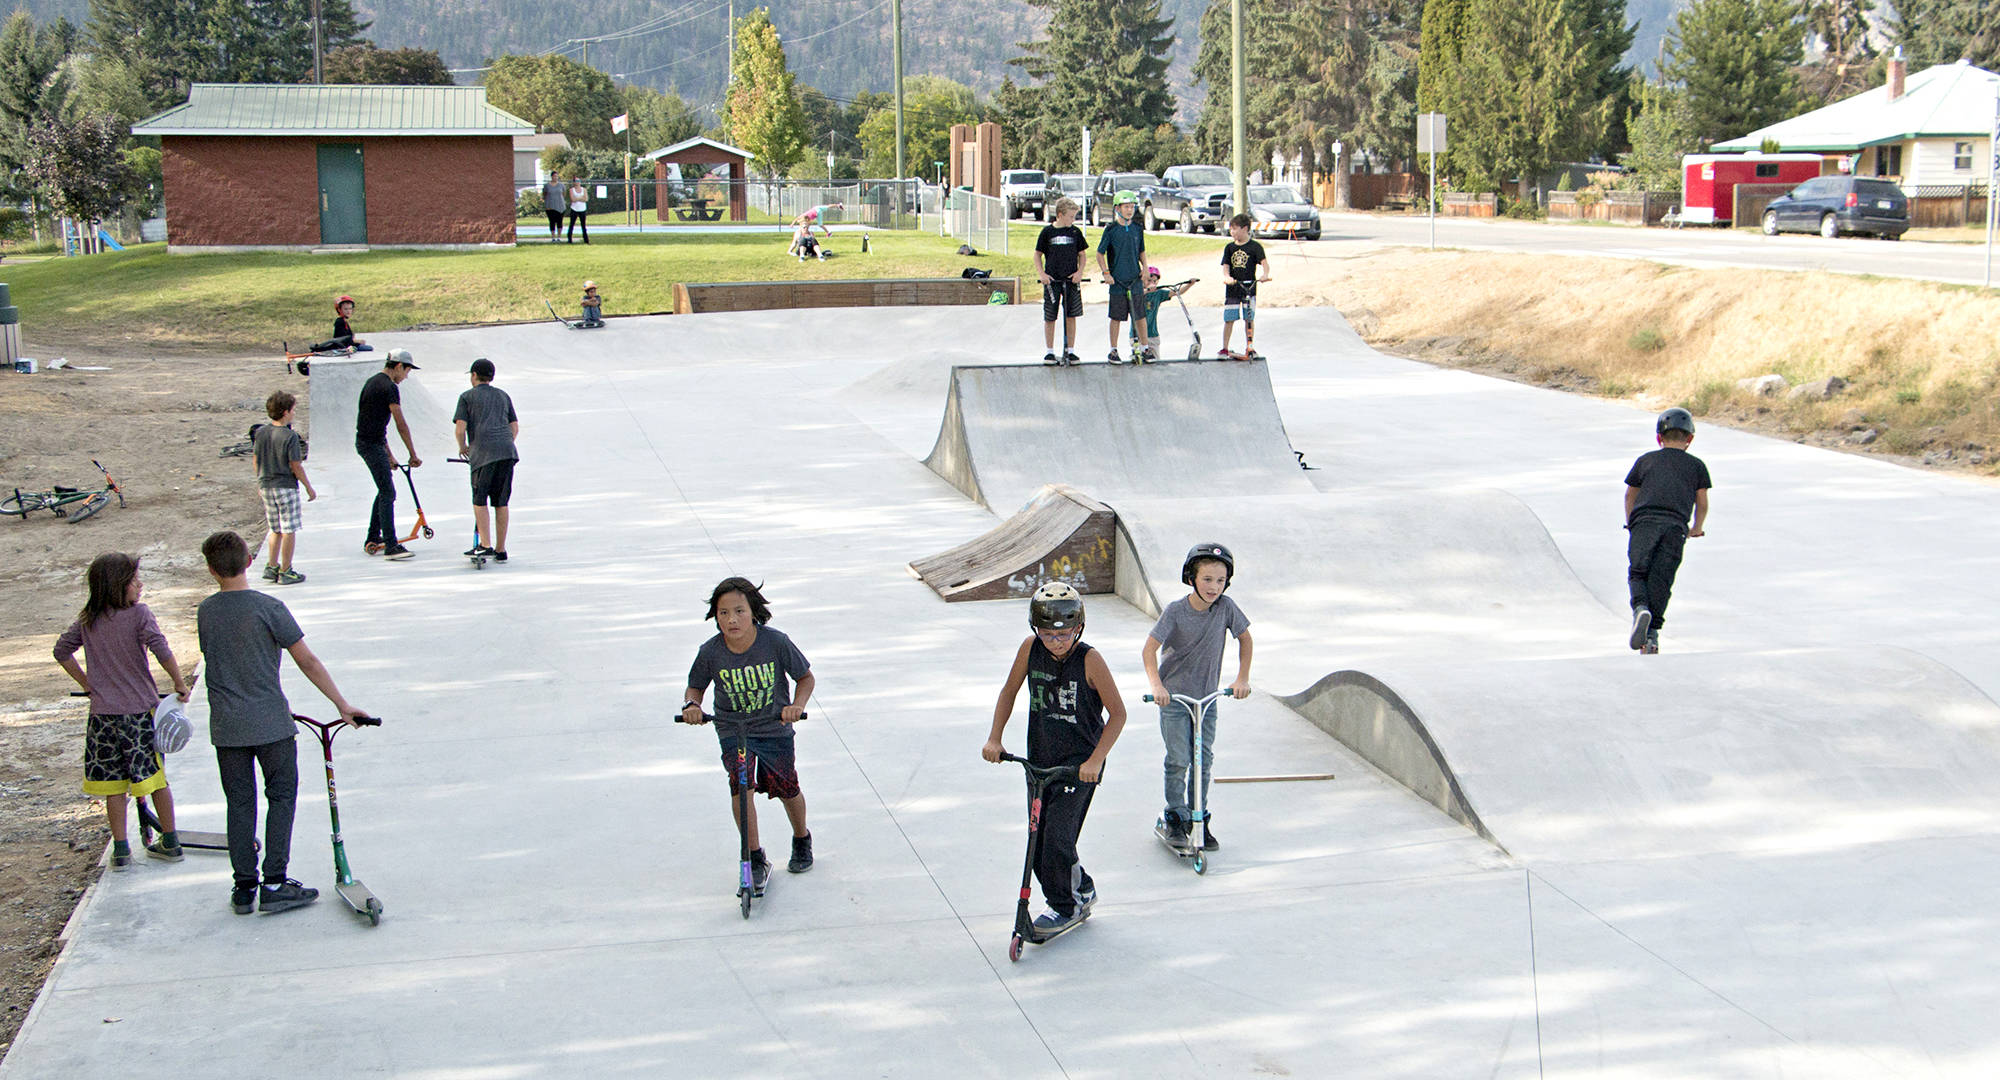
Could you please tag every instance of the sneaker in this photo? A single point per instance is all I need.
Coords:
(270, 573)
(1050, 923)
(243, 900)
(1642, 624)
(120, 861)
(1051, 358)
(1208, 840)
(1070, 358)
(372, 547)
(398, 552)
(478, 549)
(272, 899)
(760, 872)
(1086, 898)
(1115, 357)
(289, 577)
(1149, 354)
(1175, 830)
(1652, 645)
(802, 854)
(163, 851)
(499, 556)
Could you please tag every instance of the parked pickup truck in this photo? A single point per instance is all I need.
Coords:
(1190, 196)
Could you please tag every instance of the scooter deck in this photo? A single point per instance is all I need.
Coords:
(1187, 850)
(364, 903)
(1036, 937)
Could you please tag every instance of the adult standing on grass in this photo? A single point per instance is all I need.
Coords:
(579, 210)
(380, 403)
(485, 427)
(555, 200)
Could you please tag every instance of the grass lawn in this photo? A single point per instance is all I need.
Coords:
(143, 298)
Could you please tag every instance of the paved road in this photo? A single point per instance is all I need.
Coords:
(1959, 263)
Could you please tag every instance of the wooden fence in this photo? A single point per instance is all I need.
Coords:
(1622, 207)
(1374, 191)
(1467, 204)
(1947, 206)
(691, 298)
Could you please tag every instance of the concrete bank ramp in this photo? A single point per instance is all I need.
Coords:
(1617, 756)
(1177, 429)
(336, 390)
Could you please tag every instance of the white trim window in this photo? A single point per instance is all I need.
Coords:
(1961, 157)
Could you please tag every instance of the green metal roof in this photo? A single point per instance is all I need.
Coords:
(254, 109)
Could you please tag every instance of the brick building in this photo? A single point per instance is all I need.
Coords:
(299, 168)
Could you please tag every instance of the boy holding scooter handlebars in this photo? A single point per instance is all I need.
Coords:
(1074, 717)
(1183, 658)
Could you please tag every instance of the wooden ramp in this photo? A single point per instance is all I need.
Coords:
(1061, 535)
(692, 298)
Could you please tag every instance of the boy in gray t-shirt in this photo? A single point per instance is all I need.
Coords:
(281, 469)
(243, 636)
(485, 428)
(1183, 655)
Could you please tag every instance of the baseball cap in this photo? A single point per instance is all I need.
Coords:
(482, 367)
(399, 356)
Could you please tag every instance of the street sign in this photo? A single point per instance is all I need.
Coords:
(1430, 133)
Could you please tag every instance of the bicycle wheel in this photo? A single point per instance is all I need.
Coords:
(20, 503)
(97, 501)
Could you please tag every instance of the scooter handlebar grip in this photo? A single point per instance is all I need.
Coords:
(366, 721)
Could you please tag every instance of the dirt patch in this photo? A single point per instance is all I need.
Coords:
(159, 425)
(1919, 360)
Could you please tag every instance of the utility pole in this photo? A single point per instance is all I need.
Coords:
(1242, 192)
(319, 69)
(731, 77)
(896, 26)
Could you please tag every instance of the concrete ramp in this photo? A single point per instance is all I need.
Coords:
(1616, 756)
(1062, 535)
(335, 391)
(1177, 429)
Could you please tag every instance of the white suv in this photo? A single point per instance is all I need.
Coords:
(1023, 191)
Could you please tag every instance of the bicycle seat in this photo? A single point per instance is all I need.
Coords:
(61, 490)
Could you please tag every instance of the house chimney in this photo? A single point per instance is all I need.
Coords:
(1896, 71)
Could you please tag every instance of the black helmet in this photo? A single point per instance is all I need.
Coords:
(1055, 606)
(1208, 551)
(1675, 419)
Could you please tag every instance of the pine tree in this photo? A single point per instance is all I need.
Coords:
(1526, 95)
(1737, 59)
(367, 65)
(1662, 131)
(1102, 64)
(1441, 47)
(170, 44)
(1942, 31)
(35, 88)
(762, 113)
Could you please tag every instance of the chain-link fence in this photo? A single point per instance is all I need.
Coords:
(978, 220)
(881, 204)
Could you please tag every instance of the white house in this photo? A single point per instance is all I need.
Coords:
(528, 171)
(1932, 130)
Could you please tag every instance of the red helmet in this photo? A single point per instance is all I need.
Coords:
(342, 300)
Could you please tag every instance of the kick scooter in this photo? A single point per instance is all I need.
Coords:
(1194, 350)
(1195, 848)
(746, 884)
(421, 526)
(1039, 780)
(346, 884)
(478, 554)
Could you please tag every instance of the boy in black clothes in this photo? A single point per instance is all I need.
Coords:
(1059, 265)
(1247, 266)
(343, 332)
(1662, 489)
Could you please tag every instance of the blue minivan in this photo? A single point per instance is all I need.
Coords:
(1832, 205)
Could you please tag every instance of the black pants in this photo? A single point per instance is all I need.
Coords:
(279, 762)
(579, 217)
(1654, 554)
(382, 521)
(555, 224)
(1064, 806)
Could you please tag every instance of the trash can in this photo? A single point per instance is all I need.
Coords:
(10, 331)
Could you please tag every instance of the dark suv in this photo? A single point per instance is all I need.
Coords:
(1831, 205)
(1110, 184)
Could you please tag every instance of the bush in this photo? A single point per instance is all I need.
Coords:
(1646, 339)
(1708, 397)
(1522, 209)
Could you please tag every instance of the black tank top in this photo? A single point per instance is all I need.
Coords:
(1065, 717)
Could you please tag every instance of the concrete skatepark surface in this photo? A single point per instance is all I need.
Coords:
(1768, 852)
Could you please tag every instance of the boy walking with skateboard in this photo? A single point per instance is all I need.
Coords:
(243, 633)
(1124, 240)
(1059, 266)
(1662, 489)
(1074, 717)
(281, 469)
(1244, 257)
(485, 426)
(1183, 655)
(755, 668)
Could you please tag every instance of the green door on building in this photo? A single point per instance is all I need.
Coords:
(343, 203)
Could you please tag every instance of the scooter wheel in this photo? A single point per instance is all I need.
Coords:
(1014, 949)
(1200, 864)
(429, 533)
(374, 912)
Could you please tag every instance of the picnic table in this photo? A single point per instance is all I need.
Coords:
(699, 210)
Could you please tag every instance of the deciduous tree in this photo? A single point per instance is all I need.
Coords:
(79, 167)
(555, 93)
(368, 65)
(762, 113)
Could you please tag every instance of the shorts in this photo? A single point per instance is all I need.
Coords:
(1067, 295)
(118, 755)
(773, 769)
(495, 481)
(1239, 303)
(1126, 298)
(282, 510)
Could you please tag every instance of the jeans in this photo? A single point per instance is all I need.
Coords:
(576, 218)
(1654, 554)
(279, 762)
(1064, 806)
(382, 520)
(1176, 728)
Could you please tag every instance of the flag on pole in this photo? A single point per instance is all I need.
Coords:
(618, 122)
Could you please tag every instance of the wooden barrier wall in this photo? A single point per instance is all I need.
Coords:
(694, 298)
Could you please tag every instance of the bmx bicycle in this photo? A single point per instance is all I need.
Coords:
(82, 502)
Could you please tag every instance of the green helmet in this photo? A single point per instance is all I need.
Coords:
(1056, 605)
(1124, 197)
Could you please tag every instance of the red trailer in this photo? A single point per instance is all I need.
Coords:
(1708, 181)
